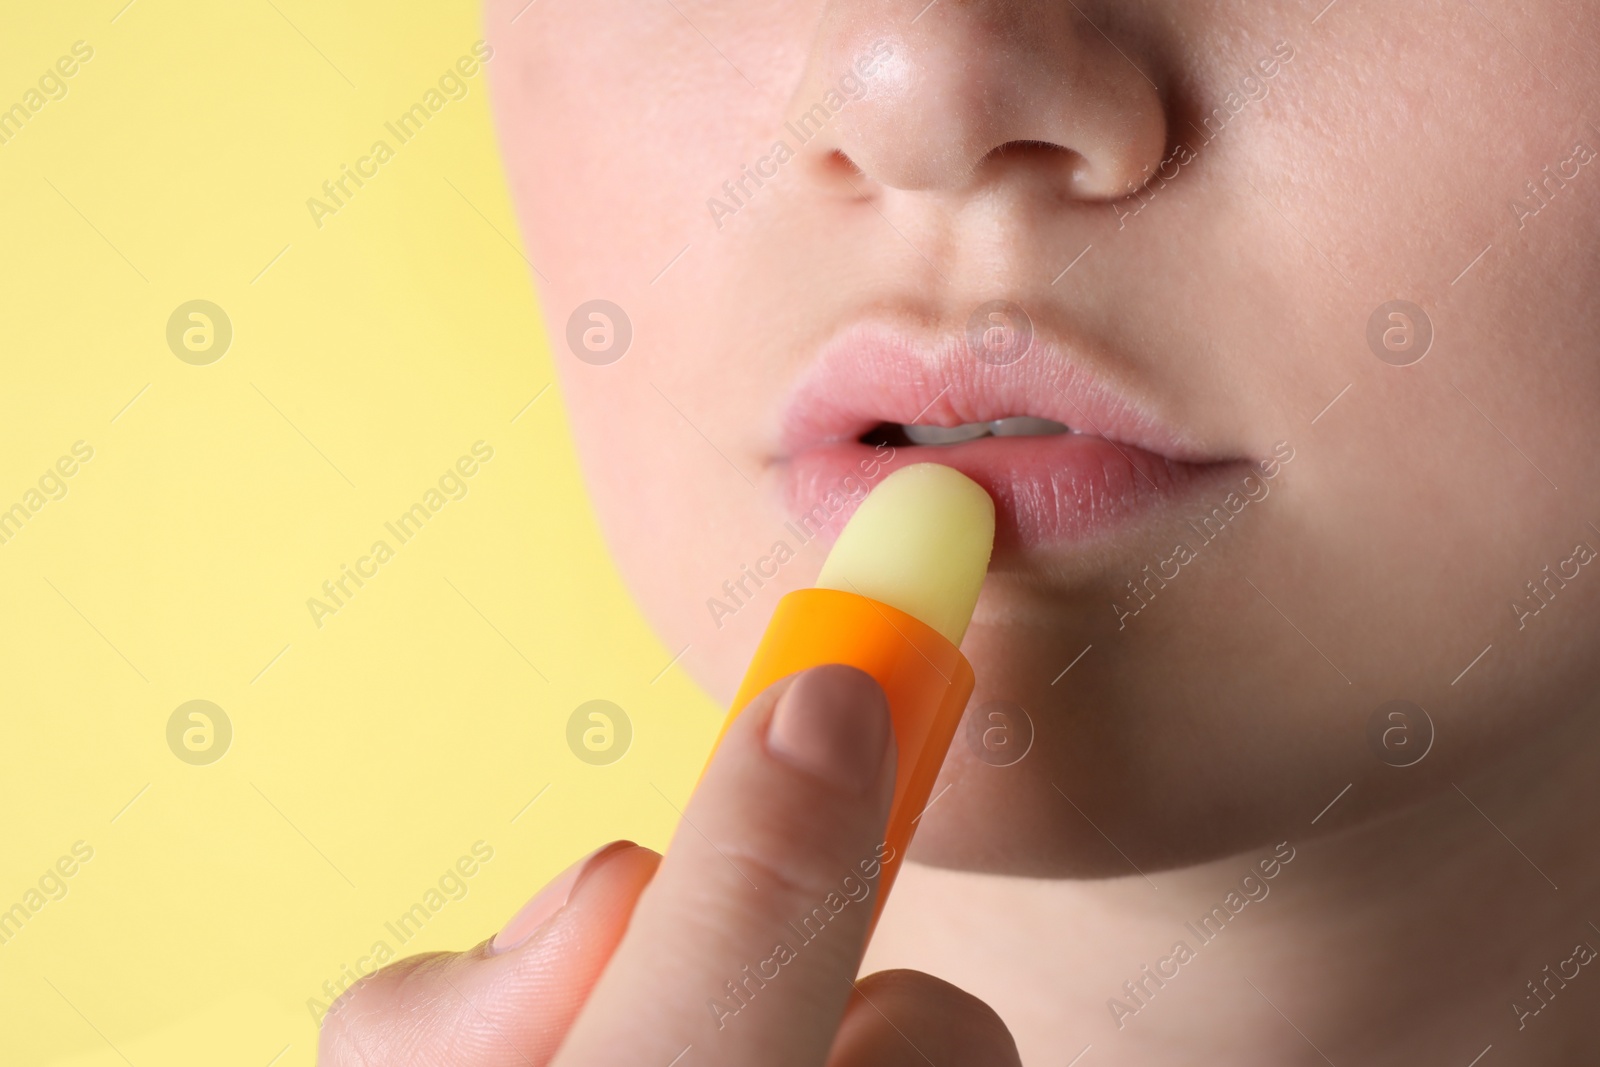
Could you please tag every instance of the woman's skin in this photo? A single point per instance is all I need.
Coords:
(1205, 205)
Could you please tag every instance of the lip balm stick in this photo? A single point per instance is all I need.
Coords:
(894, 600)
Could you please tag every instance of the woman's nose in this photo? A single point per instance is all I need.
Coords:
(953, 88)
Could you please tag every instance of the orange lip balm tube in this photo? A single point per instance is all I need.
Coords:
(894, 599)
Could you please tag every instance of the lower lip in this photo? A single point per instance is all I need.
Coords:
(1047, 490)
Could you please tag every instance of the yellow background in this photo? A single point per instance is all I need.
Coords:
(370, 754)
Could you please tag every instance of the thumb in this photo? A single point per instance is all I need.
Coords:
(509, 1001)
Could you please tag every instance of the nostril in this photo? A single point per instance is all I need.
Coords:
(837, 164)
(1031, 146)
(1063, 167)
(1027, 151)
(843, 176)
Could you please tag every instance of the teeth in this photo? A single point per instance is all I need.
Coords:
(1026, 426)
(1016, 426)
(946, 435)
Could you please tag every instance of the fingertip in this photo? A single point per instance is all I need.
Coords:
(905, 1018)
(552, 898)
(832, 723)
(604, 890)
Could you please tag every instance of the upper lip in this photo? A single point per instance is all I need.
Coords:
(874, 373)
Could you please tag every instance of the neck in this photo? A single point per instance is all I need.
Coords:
(1425, 937)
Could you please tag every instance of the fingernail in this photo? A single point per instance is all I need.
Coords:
(551, 899)
(832, 723)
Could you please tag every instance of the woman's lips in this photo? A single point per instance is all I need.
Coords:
(1118, 463)
(1046, 490)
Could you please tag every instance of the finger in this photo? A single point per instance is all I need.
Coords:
(509, 1001)
(911, 1019)
(745, 946)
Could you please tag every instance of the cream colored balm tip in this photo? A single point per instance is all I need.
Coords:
(920, 542)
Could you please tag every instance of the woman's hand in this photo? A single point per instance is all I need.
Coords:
(740, 949)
